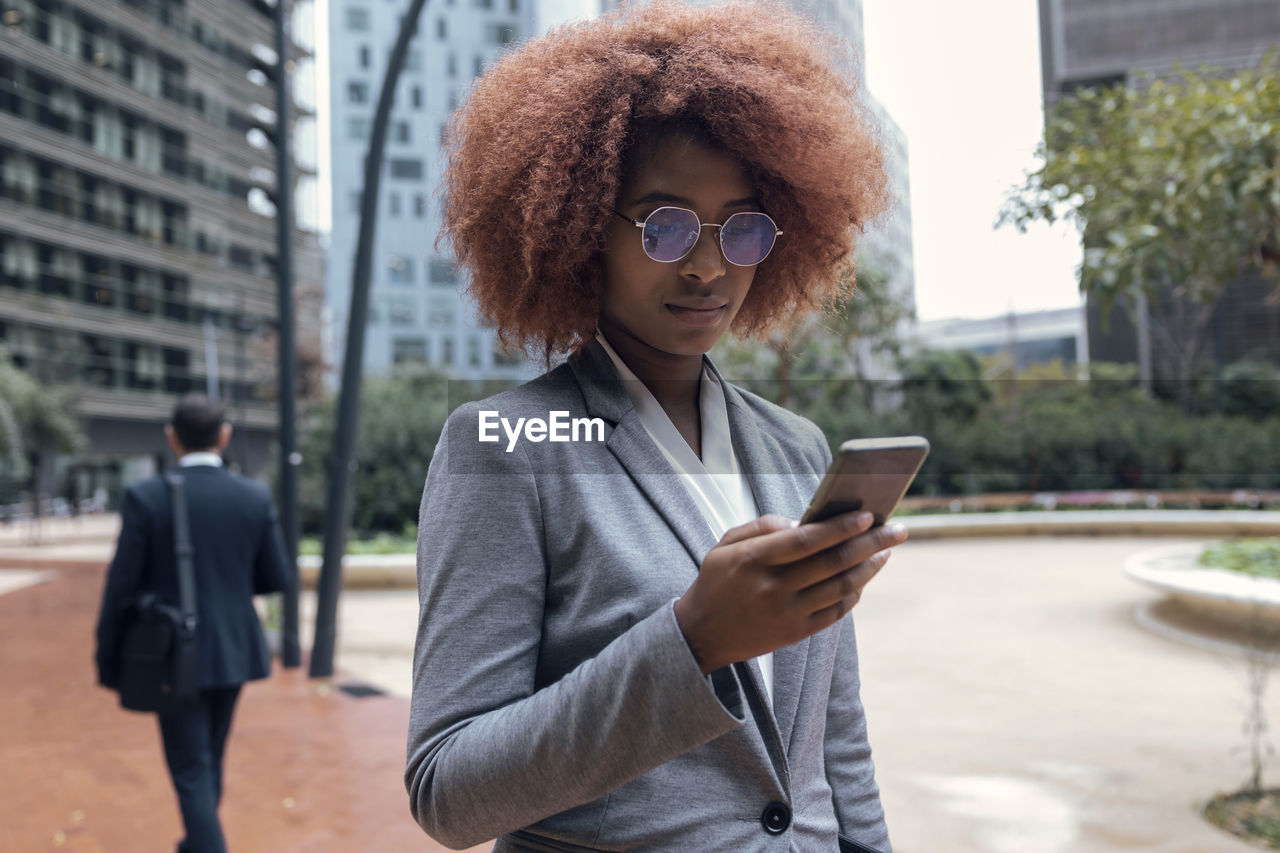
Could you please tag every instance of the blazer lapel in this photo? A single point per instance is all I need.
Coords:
(630, 443)
(776, 491)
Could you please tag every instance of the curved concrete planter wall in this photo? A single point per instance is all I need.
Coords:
(1229, 598)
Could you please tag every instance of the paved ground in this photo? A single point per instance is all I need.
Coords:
(1014, 703)
(308, 770)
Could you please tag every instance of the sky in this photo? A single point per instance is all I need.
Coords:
(963, 82)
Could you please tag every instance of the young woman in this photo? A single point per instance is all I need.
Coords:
(625, 642)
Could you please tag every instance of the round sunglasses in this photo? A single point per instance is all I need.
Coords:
(670, 233)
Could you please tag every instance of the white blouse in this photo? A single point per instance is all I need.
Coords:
(718, 488)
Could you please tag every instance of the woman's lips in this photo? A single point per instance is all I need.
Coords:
(698, 316)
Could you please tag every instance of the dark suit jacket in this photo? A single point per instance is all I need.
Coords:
(239, 552)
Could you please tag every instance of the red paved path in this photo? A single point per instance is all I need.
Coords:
(307, 771)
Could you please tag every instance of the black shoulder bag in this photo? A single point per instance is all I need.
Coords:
(158, 650)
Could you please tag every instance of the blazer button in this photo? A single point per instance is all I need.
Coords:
(776, 817)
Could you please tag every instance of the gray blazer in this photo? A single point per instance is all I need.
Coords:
(556, 705)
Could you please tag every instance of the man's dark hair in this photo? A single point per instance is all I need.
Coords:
(197, 420)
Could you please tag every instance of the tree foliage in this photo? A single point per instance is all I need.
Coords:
(1176, 185)
(859, 339)
(34, 420)
(400, 421)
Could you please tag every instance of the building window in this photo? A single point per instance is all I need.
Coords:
(515, 5)
(355, 201)
(443, 271)
(401, 312)
(440, 317)
(451, 65)
(419, 206)
(98, 360)
(358, 128)
(395, 204)
(478, 66)
(447, 355)
(473, 351)
(409, 351)
(357, 20)
(415, 96)
(483, 4)
(241, 258)
(357, 92)
(399, 267)
(364, 56)
(442, 29)
(401, 132)
(500, 33)
(407, 169)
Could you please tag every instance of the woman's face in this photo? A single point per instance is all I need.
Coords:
(682, 307)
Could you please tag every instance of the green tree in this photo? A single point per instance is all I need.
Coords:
(1176, 185)
(400, 421)
(844, 350)
(35, 422)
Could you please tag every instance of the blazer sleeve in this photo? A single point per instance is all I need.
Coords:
(850, 771)
(124, 576)
(488, 751)
(271, 563)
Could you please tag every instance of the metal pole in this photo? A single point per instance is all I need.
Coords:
(1145, 374)
(338, 502)
(290, 652)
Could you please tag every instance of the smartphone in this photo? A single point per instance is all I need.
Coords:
(868, 474)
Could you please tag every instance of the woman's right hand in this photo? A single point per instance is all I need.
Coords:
(770, 583)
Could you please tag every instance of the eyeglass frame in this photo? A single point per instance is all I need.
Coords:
(640, 223)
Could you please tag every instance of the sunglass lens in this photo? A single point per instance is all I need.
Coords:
(669, 233)
(747, 238)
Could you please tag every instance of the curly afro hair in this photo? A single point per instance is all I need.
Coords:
(540, 148)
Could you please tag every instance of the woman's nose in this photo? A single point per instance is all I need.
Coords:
(705, 261)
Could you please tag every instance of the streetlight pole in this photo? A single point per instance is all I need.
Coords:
(290, 652)
(338, 503)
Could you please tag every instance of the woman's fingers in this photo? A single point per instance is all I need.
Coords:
(829, 600)
(796, 543)
(761, 526)
(851, 552)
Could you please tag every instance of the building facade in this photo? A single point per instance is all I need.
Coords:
(418, 309)
(1098, 42)
(1023, 338)
(137, 250)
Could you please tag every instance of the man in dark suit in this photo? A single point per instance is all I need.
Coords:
(239, 552)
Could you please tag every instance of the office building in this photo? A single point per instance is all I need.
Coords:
(1025, 338)
(418, 310)
(137, 248)
(1090, 43)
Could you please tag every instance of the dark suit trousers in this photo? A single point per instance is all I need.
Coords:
(194, 740)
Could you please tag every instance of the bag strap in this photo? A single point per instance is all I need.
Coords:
(185, 553)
